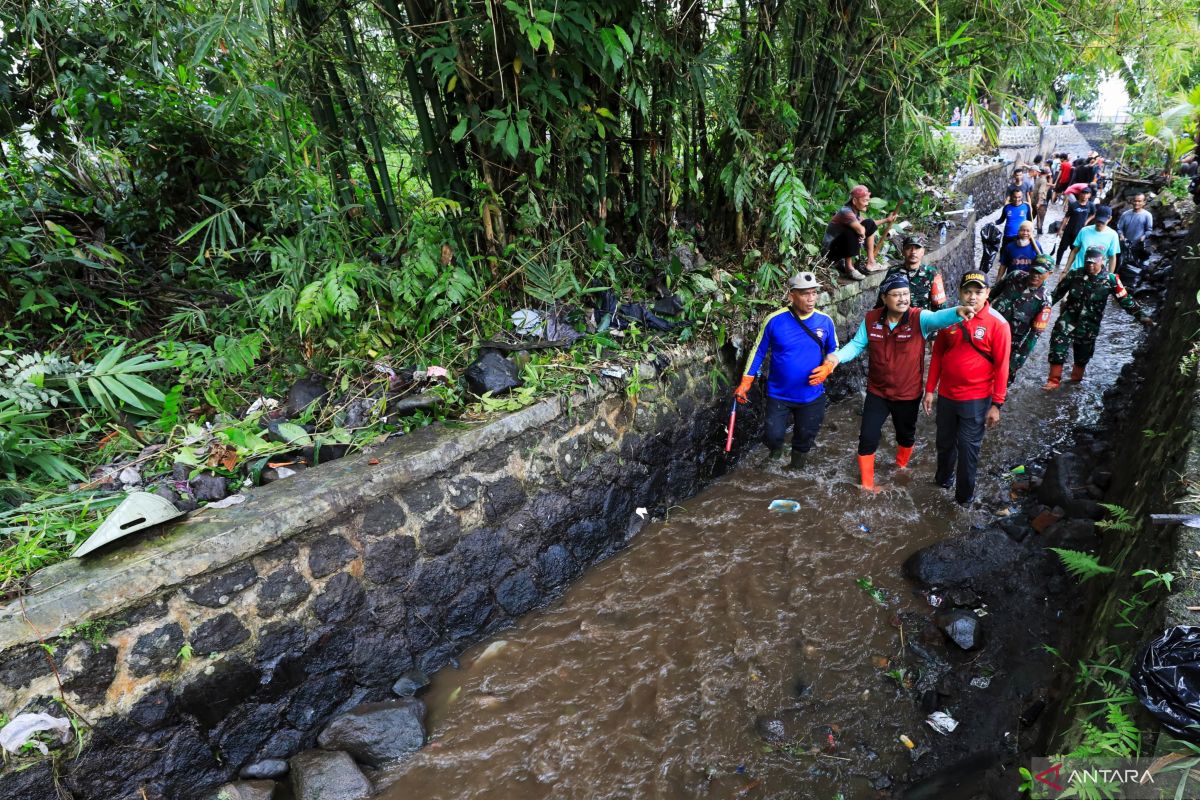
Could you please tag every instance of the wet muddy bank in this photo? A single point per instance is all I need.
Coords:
(1043, 623)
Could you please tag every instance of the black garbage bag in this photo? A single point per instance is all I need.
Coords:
(1055, 226)
(1166, 679)
(492, 372)
(991, 238)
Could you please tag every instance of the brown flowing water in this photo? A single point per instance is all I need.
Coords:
(646, 679)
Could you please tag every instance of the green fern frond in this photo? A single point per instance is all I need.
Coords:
(1121, 520)
(1080, 565)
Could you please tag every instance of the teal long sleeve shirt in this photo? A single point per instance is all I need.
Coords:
(930, 321)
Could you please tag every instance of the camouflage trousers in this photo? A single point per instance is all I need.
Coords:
(1068, 334)
(1020, 353)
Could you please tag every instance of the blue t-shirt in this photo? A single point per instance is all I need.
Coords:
(1107, 240)
(1012, 217)
(1015, 255)
(794, 353)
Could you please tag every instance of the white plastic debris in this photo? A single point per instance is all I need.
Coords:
(23, 726)
(228, 502)
(528, 322)
(129, 476)
(641, 512)
(982, 682)
(436, 372)
(262, 404)
(284, 472)
(786, 506)
(613, 372)
(942, 722)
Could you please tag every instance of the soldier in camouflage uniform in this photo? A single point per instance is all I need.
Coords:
(924, 280)
(1085, 294)
(1021, 298)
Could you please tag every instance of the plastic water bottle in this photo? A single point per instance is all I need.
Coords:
(970, 206)
(942, 234)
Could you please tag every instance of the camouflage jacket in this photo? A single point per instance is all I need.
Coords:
(1084, 297)
(922, 284)
(1018, 303)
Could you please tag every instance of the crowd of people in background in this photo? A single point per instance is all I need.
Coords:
(976, 347)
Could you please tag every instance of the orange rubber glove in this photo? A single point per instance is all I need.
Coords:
(818, 375)
(740, 393)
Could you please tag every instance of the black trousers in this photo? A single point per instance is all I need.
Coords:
(806, 419)
(875, 412)
(960, 426)
(846, 244)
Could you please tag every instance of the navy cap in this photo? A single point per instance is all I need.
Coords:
(895, 281)
(1103, 213)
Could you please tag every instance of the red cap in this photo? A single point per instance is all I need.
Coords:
(860, 191)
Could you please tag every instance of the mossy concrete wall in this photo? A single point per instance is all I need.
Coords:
(1155, 406)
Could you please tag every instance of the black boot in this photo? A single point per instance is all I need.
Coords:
(775, 454)
(799, 460)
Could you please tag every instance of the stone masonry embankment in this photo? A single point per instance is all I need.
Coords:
(1155, 412)
(233, 636)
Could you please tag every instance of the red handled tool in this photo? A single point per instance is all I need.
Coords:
(732, 420)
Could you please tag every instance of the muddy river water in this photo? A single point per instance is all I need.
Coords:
(655, 675)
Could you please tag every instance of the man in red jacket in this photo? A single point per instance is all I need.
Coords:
(969, 374)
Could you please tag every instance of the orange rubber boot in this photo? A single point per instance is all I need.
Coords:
(1077, 373)
(1055, 378)
(903, 454)
(866, 470)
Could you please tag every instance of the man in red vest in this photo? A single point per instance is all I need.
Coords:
(969, 374)
(894, 337)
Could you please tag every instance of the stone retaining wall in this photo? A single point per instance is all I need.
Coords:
(232, 636)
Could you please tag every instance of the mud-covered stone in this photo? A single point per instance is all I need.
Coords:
(469, 612)
(479, 552)
(517, 593)
(327, 775)
(219, 634)
(439, 535)
(378, 733)
(328, 554)
(502, 498)
(218, 590)
(317, 698)
(971, 558)
(153, 710)
(462, 492)
(95, 674)
(156, 650)
(389, 560)
(241, 735)
(384, 516)
(554, 566)
(379, 656)
(962, 628)
(283, 590)
(22, 666)
(423, 498)
(437, 579)
(410, 683)
(342, 597)
(303, 393)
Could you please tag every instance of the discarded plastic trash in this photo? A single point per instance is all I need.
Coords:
(907, 742)
(935, 600)
(436, 372)
(23, 727)
(613, 372)
(1018, 470)
(786, 506)
(942, 722)
(528, 322)
(137, 511)
(981, 682)
(863, 528)
(641, 511)
(868, 586)
(1166, 680)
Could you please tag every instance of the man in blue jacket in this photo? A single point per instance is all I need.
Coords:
(798, 337)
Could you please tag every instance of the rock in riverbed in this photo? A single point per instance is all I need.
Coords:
(962, 628)
(325, 775)
(378, 733)
(970, 559)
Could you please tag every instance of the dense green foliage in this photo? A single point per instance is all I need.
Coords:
(201, 201)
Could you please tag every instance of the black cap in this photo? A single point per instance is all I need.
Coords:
(973, 277)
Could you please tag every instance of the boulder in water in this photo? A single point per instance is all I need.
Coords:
(245, 790)
(326, 775)
(378, 733)
(970, 559)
